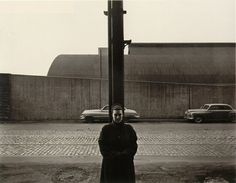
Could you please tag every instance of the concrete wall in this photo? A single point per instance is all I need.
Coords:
(43, 98)
(50, 98)
(5, 93)
(160, 100)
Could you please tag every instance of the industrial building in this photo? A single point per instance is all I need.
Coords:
(162, 80)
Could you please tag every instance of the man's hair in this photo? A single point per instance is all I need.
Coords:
(116, 107)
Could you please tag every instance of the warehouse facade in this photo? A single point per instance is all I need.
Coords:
(162, 80)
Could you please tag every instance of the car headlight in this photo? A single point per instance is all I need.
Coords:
(190, 114)
(82, 116)
(136, 116)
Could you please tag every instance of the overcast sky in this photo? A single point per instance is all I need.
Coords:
(33, 33)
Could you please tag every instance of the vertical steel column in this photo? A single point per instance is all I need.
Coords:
(115, 53)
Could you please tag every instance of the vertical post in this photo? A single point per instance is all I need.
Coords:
(116, 45)
(117, 52)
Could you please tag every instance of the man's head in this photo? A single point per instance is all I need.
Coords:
(117, 114)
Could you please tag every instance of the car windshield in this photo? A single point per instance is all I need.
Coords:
(105, 107)
(205, 107)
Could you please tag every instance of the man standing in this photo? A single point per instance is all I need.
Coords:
(118, 145)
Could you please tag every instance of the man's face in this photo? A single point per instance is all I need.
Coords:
(117, 116)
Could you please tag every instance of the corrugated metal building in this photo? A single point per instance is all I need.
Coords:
(158, 62)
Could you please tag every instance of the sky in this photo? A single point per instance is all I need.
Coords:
(33, 33)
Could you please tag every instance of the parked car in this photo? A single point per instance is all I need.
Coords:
(103, 114)
(209, 112)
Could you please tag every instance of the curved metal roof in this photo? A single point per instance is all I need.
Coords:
(75, 66)
(183, 65)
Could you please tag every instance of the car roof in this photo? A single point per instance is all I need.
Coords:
(108, 106)
(217, 104)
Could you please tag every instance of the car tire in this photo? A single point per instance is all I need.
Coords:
(89, 119)
(198, 119)
(232, 119)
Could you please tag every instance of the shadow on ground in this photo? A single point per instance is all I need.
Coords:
(90, 172)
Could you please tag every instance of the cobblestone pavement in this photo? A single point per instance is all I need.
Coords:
(156, 140)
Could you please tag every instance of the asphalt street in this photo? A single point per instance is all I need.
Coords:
(169, 145)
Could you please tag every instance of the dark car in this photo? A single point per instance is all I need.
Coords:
(210, 112)
(103, 114)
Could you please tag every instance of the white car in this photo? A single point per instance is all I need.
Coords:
(103, 114)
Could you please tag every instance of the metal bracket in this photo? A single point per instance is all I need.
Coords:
(127, 42)
(105, 13)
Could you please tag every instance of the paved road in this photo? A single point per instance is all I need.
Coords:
(165, 139)
(68, 153)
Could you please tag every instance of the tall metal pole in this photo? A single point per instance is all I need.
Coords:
(115, 53)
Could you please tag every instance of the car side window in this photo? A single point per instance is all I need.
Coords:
(222, 107)
(226, 108)
(214, 108)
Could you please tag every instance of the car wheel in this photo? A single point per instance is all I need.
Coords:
(232, 119)
(89, 119)
(198, 119)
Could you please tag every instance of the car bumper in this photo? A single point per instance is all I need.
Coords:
(132, 117)
(188, 117)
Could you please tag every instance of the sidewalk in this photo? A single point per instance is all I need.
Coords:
(87, 170)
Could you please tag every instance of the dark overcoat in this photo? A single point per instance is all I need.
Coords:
(118, 145)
